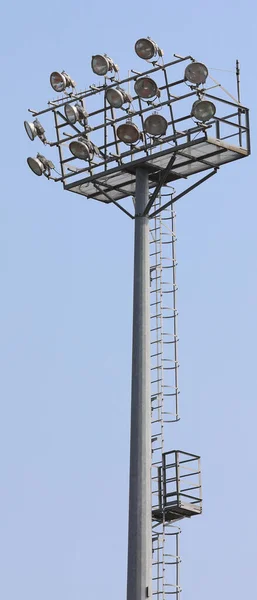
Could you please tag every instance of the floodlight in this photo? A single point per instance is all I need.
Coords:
(75, 112)
(203, 110)
(155, 125)
(196, 72)
(101, 64)
(40, 165)
(60, 81)
(35, 129)
(117, 97)
(128, 133)
(145, 88)
(82, 148)
(146, 48)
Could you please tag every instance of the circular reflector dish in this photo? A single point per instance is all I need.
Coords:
(31, 130)
(155, 125)
(80, 150)
(128, 133)
(58, 81)
(35, 165)
(115, 97)
(196, 72)
(145, 49)
(100, 64)
(71, 113)
(203, 110)
(146, 88)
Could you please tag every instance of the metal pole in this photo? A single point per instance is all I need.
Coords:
(139, 579)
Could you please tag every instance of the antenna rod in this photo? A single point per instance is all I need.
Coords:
(239, 100)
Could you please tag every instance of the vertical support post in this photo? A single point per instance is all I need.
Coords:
(139, 577)
(177, 456)
(59, 145)
(239, 100)
(105, 126)
(177, 566)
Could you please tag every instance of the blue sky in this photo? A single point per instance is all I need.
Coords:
(66, 320)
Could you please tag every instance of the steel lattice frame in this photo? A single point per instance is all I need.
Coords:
(188, 148)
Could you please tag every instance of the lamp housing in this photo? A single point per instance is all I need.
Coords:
(40, 165)
(61, 81)
(101, 64)
(146, 88)
(155, 125)
(34, 129)
(203, 110)
(147, 49)
(128, 133)
(74, 113)
(116, 97)
(82, 149)
(196, 73)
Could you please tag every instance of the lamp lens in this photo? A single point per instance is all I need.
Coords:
(203, 110)
(146, 88)
(71, 113)
(100, 64)
(35, 165)
(30, 130)
(58, 81)
(128, 133)
(156, 125)
(80, 150)
(196, 73)
(145, 49)
(114, 97)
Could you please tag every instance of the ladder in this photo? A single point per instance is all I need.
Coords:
(164, 391)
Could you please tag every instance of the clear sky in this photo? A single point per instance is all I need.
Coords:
(66, 317)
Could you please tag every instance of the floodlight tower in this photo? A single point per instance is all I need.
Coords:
(137, 152)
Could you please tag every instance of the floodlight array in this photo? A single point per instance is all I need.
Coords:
(155, 127)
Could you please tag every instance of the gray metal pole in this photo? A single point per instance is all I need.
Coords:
(139, 581)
